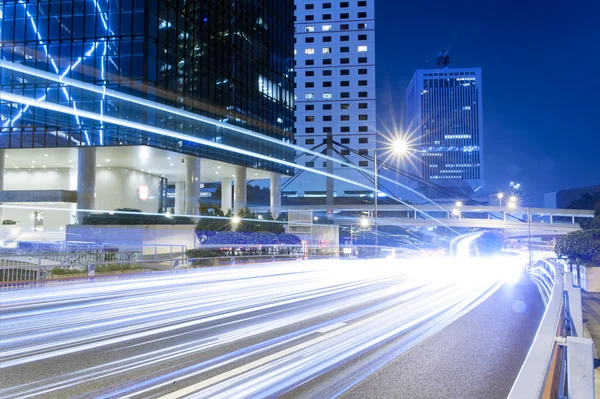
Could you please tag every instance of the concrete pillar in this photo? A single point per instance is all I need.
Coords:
(240, 186)
(275, 204)
(2, 158)
(86, 181)
(551, 219)
(192, 185)
(179, 197)
(226, 195)
(329, 189)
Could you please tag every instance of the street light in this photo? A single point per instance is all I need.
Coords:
(512, 205)
(456, 212)
(500, 196)
(399, 147)
(459, 204)
(236, 220)
(513, 198)
(364, 222)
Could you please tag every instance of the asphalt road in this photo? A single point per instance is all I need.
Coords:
(426, 328)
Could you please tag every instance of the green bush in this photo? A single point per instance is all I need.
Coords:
(581, 247)
(201, 257)
(8, 222)
(58, 271)
(132, 218)
(116, 267)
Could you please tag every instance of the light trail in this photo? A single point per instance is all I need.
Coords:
(228, 332)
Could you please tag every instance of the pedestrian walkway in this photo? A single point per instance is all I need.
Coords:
(591, 327)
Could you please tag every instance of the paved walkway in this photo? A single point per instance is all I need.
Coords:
(591, 318)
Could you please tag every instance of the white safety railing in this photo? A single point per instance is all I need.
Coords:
(560, 362)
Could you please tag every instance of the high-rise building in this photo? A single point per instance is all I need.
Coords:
(232, 65)
(335, 93)
(444, 115)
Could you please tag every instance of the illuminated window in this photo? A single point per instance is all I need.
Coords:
(327, 50)
(309, 28)
(326, 27)
(327, 96)
(362, 49)
(309, 51)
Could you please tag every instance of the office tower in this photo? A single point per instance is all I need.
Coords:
(230, 64)
(335, 94)
(444, 114)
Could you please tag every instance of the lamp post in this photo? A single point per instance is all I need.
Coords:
(500, 196)
(399, 147)
(457, 211)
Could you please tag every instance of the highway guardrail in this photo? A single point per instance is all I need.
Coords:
(560, 362)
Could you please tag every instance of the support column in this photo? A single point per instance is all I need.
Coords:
(179, 197)
(226, 195)
(192, 185)
(2, 158)
(275, 204)
(329, 180)
(86, 181)
(239, 185)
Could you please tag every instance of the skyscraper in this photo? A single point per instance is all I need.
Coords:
(444, 114)
(335, 93)
(229, 67)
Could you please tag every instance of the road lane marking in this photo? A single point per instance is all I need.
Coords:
(257, 363)
(331, 327)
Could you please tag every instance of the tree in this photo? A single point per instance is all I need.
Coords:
(586, 201)
(581, 247)
(592, 223)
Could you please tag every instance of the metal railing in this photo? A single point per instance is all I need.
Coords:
(20, 269)
(560, 362)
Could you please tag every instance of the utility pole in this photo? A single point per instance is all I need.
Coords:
(529, 230)
(376, 202)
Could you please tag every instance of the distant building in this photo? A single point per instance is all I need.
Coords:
(563, 198)
(335, 94)
(444, 115)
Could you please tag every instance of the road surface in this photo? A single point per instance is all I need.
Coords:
(359, 329)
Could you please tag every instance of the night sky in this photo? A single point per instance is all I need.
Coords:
(541, 81)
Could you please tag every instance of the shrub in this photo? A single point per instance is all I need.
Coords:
(261, 238)
(582, 247)
(134, 217)
(8, 222)
(227, 238)
(200, 256)
(288, 239)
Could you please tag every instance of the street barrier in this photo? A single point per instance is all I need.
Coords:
(560, 362)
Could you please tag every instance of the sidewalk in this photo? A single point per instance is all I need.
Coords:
(591, 327)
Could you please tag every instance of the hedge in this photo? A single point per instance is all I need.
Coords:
(132, 218)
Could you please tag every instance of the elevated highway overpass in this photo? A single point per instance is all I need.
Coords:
(543, 220)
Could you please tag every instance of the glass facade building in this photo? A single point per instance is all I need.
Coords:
(444, 111)
(230, 61)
